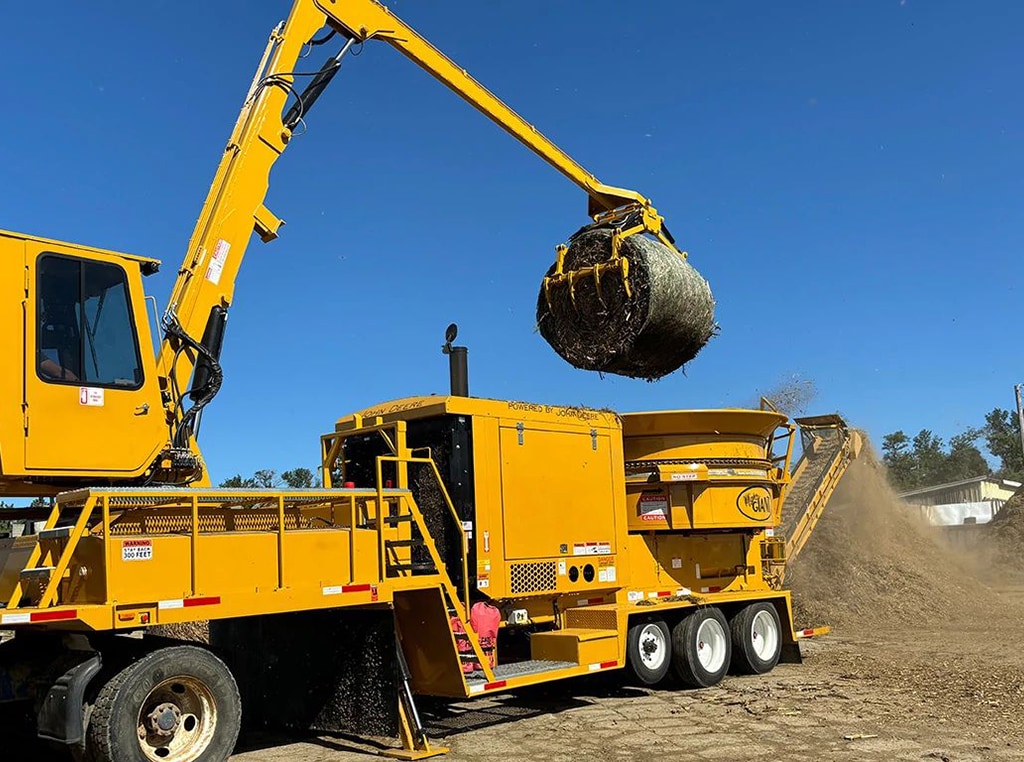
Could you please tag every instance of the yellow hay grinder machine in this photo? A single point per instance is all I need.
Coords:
(459, 546)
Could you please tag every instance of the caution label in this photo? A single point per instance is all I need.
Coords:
(653, 507)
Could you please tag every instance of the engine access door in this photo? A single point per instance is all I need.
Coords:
(91, 393)
(557, 493)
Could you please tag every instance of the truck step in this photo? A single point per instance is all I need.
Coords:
(38, 571)
(393, 520)
(404, 543)
(57, 533)
(415, 567)
(520, 669)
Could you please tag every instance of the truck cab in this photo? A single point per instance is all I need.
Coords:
(80, 398)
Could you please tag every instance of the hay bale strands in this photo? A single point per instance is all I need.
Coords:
(663, 324)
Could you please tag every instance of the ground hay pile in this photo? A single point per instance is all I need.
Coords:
(1005, 537)
(872, 562)
(666, 322)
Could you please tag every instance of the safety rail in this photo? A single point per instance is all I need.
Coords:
(85, 556)
(461, 604)
(421, 521)
(111, 515)
(393, 434)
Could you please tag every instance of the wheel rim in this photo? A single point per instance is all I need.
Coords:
(764, 635)
(653, 646)
(711, 645)
(177, 720)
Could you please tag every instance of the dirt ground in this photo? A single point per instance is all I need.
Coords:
(923, 664)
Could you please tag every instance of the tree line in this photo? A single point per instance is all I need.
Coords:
(925, 460)
(39, 502)
(267, 478)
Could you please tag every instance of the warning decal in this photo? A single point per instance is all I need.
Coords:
(653, 507)
(136, 550)
(591, 548)
(216, 266)
(89, 396)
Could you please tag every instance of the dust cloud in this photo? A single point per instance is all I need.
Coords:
(874, 563)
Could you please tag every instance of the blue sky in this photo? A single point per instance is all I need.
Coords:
(847, 176)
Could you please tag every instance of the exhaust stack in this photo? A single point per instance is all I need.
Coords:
(458, 363)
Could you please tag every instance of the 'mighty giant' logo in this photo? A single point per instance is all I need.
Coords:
(755, 503)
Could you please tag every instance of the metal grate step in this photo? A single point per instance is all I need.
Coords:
(57, 533)
(520, 669)
(404, 543)
(425, 566)
(38, 571)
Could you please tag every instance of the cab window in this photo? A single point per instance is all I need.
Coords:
(85, 334)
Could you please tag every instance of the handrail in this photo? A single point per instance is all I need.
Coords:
(35, 556)
(451, 510)
(462, 607)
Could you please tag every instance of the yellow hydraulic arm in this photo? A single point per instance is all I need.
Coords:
(235, 206)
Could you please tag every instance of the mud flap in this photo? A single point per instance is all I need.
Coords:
(60, 717)
(791, 653)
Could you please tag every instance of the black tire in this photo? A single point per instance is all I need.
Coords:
(643, 642)
(701, 648)
(194, 681)
(756, 639)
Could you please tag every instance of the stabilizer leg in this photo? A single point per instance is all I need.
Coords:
(415, 744)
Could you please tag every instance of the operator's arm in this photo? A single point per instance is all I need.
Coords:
(50, 369)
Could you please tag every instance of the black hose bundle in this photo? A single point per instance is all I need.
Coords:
(664, 323)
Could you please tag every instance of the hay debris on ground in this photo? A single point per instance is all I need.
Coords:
(663, 325)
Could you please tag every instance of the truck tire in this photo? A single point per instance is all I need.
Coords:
(701, 648)
(177, 704)
(649, 650)
(756, 639)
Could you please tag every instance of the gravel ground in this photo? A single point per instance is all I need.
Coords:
(951, 693)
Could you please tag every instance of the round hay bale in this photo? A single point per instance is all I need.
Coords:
(668, 320)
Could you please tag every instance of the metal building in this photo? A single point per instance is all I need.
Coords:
(969, 501)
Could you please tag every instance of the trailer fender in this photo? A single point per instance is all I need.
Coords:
(60, 717)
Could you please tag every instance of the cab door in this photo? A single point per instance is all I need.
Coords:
(91, 392)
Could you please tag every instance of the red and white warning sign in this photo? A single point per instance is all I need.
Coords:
(591, 548)
(136, 550)
(216, 266)
(653, 507)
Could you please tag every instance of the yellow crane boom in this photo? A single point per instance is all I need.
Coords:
(85, 373)
(235, 206)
